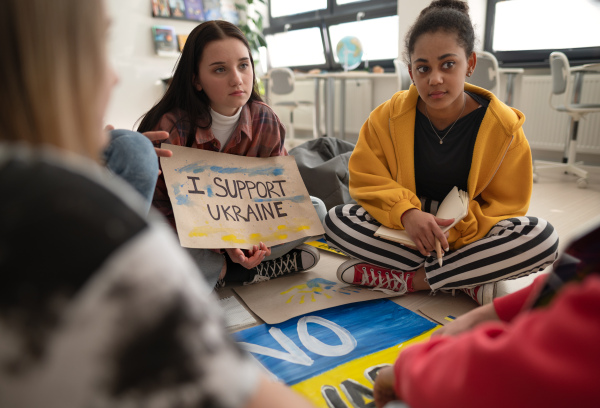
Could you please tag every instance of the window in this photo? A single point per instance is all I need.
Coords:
(525, 32)
(369, 32)
(281, 8)
(296, 48)
(339, 2)
(292, 38)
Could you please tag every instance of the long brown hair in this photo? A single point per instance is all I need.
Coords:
(53, 53)
(182, 94)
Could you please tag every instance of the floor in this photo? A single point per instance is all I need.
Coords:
(568, 208)
(555, 198)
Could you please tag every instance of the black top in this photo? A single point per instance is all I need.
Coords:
(439, 167)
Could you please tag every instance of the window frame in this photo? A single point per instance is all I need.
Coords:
(532, 58)
(333, 15)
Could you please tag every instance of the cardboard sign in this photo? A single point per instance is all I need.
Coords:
(279, 299)
(331, 356)
(227, 201)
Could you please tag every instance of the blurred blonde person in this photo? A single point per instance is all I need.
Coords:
(90, 313)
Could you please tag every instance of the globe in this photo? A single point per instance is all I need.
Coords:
(349, 52)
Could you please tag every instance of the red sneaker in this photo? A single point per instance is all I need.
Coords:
(387, 280)
(482, 294)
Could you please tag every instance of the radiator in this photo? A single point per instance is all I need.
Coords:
(548, 129)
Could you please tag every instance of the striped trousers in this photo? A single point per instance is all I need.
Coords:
(513, 248)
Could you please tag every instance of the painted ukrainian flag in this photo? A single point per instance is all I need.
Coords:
(331, 356)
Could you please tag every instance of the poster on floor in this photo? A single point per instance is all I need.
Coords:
(332, 356)
(277, 300)
(227, 201)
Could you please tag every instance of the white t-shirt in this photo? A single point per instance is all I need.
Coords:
(223, 126)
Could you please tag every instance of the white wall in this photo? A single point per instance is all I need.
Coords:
(131, 50)
(408, 11)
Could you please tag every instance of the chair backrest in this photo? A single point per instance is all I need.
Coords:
(560, 71)
(281, 81)
(404, 80)
(487, 72)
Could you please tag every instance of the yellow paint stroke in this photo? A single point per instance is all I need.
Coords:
(304, 289)
(354, 370)
(237, 236)
(232, 238)
(299, 287)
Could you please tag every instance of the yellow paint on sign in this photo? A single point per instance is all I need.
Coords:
(353, 370)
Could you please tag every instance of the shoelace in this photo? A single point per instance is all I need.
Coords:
(220, 284)
(278, 267)
(393, 284)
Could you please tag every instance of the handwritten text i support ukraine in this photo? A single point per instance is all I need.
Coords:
(266, 193)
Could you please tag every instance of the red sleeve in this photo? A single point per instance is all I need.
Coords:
(509, 306)
(545, 357)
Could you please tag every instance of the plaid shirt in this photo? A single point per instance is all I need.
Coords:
(259, 133)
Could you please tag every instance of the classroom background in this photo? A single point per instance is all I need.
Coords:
(296, 35)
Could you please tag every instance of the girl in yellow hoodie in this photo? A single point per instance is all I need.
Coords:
(413, 149)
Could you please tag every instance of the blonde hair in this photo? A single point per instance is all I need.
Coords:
(53, 56)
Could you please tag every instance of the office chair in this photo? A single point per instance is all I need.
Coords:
(487, 73)
(404, 80)
(282, 83)
(562, 82)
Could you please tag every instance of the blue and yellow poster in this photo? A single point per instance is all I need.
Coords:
(331, 356)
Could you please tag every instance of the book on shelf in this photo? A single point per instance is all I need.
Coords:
(177, 8)
(212, 9)
(194, 10)
(160, 8)
(165, 41)
(181, 39)
(455, 205)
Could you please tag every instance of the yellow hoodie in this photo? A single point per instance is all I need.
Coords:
(382, 170)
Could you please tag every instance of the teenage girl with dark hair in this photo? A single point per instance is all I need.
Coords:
(414, 149)
(212, 104)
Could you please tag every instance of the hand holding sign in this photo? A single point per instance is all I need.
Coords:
(227, 201)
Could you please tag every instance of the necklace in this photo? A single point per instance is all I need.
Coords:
(431, 124)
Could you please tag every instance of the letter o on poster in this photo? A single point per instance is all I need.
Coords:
(317, 346)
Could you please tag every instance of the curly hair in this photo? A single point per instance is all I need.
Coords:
(451, 16)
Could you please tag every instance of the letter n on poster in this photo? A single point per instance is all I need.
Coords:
(226, 201)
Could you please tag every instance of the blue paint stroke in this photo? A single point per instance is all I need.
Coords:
(256, 171)
(328, 285)
(183, 200)
(376, 325)
(209, 191)
(176, 188)
(317, 282)
(347, 290)
(295, 199)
